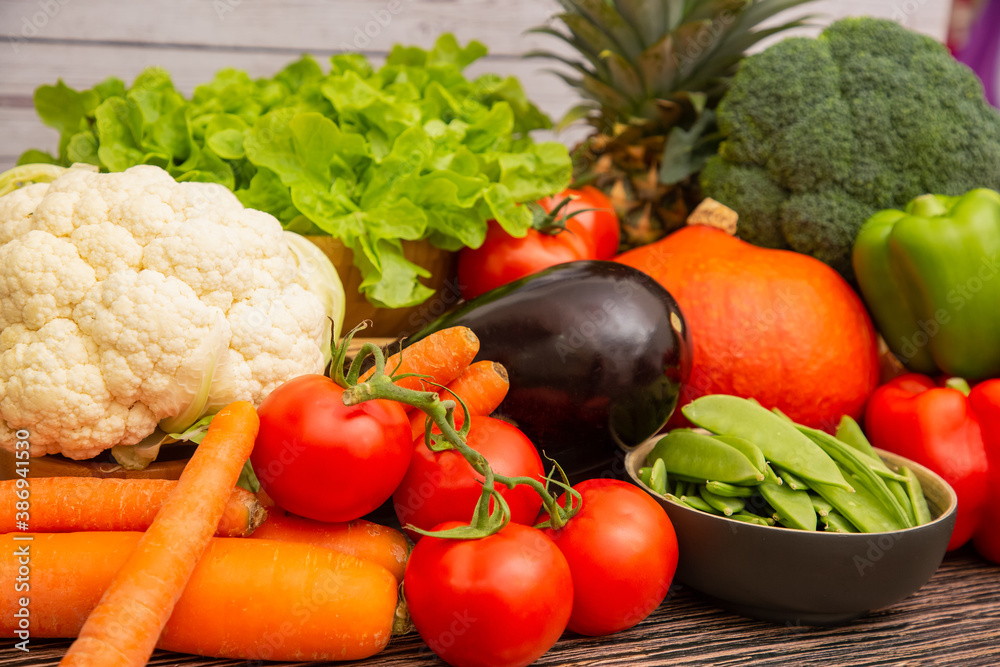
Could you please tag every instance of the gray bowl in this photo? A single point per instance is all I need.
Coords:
(798, 577)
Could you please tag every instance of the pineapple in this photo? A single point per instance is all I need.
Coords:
(651, 74)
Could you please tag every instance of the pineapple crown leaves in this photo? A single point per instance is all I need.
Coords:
(638, 56)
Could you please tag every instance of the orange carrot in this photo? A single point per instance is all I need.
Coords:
(441, 356)
(124, 627)
(264, 499)
(367, 540)
(248, 600)
(67, 504)
(482, 386)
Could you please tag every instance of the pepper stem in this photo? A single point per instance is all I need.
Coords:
(959, 384)
(927, 206)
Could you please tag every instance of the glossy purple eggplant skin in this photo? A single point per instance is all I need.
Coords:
(597, 353)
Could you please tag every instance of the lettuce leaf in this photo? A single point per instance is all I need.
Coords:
(372, 156)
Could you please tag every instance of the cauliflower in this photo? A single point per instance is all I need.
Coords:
(129, 302)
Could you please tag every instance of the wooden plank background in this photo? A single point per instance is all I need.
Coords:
(84, 41)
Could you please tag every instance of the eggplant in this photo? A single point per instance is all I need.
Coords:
(596, 353)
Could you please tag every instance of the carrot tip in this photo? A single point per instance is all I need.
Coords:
(501, 371)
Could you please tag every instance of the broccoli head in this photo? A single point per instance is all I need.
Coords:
(822, 133)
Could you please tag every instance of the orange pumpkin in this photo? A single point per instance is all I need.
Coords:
(773, 325)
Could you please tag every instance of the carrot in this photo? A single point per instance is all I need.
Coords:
(124, 627)
(482, 386)
(66, 504)
(248, 600)
(441, 356)
(367, 540)
(264, 499)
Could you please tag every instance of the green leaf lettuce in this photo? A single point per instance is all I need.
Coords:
(409, 151)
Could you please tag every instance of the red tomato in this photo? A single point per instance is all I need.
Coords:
(599, 227)
(318, 458)
(442, 486)
(503, 258)
(500, 601)
(622, 551)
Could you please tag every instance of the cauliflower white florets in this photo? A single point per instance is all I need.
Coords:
(129, 300)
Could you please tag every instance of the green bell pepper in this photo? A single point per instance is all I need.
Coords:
(929, 275)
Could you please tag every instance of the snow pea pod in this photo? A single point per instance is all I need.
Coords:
(658, 477)
(729, 490)
(795, 508)
(691, 455)
(685, 487)
(792, 480)
(727, 505)
(861, 508)
(900, 490)
(822, 507)
(779, 440)
(771, 476)
(850, 433)
(746, 517)
(921, 512)
(885, 473)
(750, 450)
(838, 524)
(854, 463)
(696, 502)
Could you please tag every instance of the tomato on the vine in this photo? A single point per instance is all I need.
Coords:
(592, 216)
(503, 258)
(442, 486)
(318, 458)
(498, 601)
(622, 551)
(574, 224)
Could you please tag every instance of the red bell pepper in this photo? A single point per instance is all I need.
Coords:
(954, 432)
(985, 401)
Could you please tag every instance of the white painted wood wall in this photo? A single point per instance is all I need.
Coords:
(84, 41)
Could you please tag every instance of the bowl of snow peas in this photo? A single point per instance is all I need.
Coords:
(785, 523)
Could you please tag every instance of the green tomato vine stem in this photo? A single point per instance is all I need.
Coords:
(382, 385)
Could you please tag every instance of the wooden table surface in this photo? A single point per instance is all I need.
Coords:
(953, 620)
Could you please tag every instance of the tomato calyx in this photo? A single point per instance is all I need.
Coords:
(553, 222)
(572, 503)
(381, 385)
